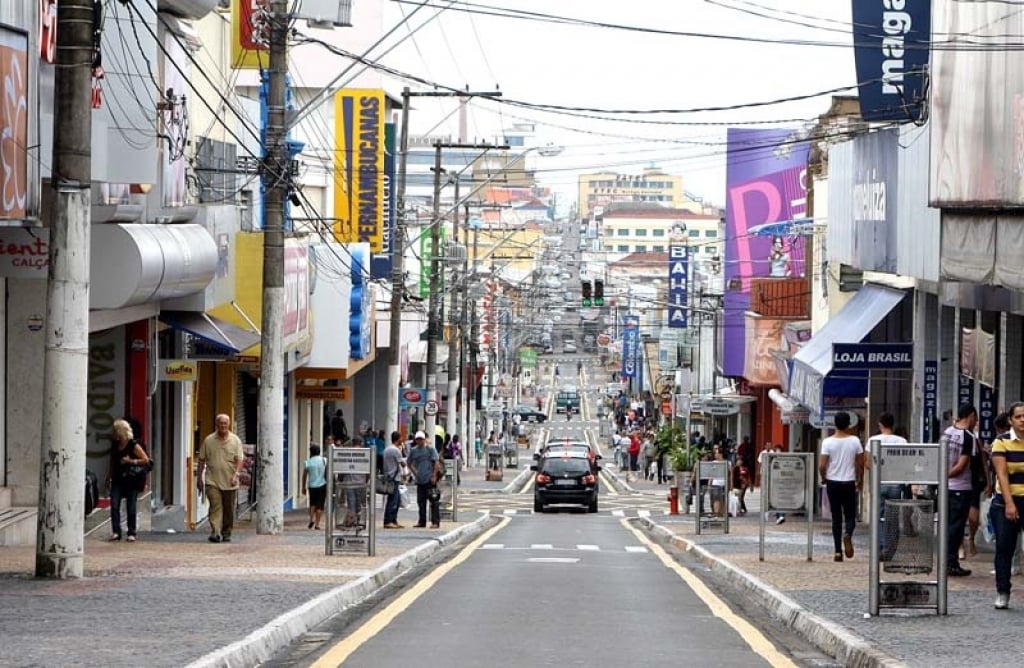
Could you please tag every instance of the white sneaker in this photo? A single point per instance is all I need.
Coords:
(1013, 571)
(1002, 601)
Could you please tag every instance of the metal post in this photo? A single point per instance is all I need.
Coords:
(766, 486)
(875, 477)
(698, 497)
(433, 304)
(943, 578)
(809, 502)
(398, 273)
(270, 439)
(60, 540)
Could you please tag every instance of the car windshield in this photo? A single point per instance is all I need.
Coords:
(566, 466)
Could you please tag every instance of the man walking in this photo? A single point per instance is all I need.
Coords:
(426, 467)
(393, 473)
(961, 442)
(841, 466)
(1008, 502)
(221, 459)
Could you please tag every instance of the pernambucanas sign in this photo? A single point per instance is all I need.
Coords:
(359, 167)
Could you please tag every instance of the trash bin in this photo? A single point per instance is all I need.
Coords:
(909, 536)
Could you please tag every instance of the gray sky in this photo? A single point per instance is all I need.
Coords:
(542, 62)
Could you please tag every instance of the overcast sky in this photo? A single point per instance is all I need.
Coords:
(543, 62)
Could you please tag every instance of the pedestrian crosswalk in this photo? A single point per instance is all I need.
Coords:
(548, 547)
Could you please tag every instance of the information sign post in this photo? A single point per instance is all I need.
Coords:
(351, 511)
(787, 484)
(714, 472)
(915, 544)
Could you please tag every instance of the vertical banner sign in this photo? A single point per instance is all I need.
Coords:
(250, 34)
(14, 73)
(380, 263)
(678, 292)
(359, 167)
(766, 182)
(931, 399)
(964, 392)
(630, 345)
(986, 413)
(891, 53)
(359, 304)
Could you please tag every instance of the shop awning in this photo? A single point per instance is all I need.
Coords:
(222, 335)
(813, 362)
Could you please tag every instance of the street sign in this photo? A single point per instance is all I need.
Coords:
(715, 406)
(905, 464)
(788, 489)
(430, 408)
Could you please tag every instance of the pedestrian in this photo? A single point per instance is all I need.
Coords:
(314, 479)
(718, 485)
(127, 477)
(662, 457)
(740, 482)
(339, 429)
(649, 452)
(634, 452)
(1007, 507)
(221, 460)
(393, 463)
(961, 443)
(355, 486)
(841, 466)
(426, 468)
(981, 486)
(889, 534)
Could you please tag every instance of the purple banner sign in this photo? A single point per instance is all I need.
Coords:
(766, 172)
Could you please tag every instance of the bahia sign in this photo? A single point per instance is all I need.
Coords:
(891, 39)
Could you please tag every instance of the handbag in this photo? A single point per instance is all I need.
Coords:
(134, 475)
(385, 485)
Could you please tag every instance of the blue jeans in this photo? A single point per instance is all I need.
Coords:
(1007, 533)
(391, 504)
(130, 495)
(959, 508)
(842, 501)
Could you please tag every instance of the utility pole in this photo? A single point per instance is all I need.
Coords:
(455, 342)
(276, 177)
(60, 520)
(397, 249)
(398, 271)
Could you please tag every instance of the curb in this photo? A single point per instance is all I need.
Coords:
(280, 632)
(831, 638)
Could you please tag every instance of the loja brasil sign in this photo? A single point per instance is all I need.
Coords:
(847, 356)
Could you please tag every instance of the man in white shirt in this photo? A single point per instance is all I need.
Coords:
(889, 535)
(841, 466)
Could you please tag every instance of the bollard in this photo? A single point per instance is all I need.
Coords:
(673, 500)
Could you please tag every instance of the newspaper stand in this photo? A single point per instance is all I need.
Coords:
(713, 470)
(915, 543)
(787, 485)
(351, 511)
(448, 485)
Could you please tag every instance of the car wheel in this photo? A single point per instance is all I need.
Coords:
(592, 508)
(538, 507)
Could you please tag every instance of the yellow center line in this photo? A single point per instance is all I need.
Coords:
(337, 654)
(608, 488)
(719, 608)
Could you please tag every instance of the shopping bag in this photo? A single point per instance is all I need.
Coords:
(403, 495)
(734, 504)
(988, 529)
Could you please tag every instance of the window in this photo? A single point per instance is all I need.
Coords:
(709, 250)
(657, 232)
(694, 233)
(622, 232)
(640, 248)
(607, 249)
(623, 249)
(640, 232)
(711, 234)
(658, 249)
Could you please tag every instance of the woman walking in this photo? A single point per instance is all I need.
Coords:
(314, 478)
(129, 465)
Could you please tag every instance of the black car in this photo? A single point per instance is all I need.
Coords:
(565, 477)
(529, 414)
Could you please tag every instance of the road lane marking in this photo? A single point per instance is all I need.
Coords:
(586, 548)
(337, 654)
(510, 511)
(554, 560)
(608, 488)
(719, 608)
(618, 513)
(636, 548)
(542, 546)
(493, 546)
(643, 512)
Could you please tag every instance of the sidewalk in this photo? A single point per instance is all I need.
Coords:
(826, 601)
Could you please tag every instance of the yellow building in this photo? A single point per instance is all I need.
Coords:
(653, 185)
(626, 229)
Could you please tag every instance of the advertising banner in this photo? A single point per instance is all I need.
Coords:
(250, 34)
(987, 413)
(931, 400)
(766, 173)
(380, 263)
(874, 194)
(359, 167)
(764, 337)
(976, 118)
(630, 346)
(891, 53)
(678, 288)
(360, 303)
(14, 113)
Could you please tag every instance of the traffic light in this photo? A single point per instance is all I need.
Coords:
(586, 289)
(598, 293)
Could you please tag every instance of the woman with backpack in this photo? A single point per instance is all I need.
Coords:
(129, 466)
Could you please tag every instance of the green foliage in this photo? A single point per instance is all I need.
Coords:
(672, 440)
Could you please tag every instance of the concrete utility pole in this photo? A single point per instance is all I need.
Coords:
(270, 442)
(398, 271)
(60, 523)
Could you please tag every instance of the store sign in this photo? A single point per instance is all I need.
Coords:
(359, 172)
(14, 111)
(630, 346)
(361, 317)
(250, 29)
(411, 397)
(891, 53)
(678, 285)
(890, 356)
(714, 406)
(323, 393)
(24, 252)
(380, 262)
(931, 399)
(178, 371)
(986, 413)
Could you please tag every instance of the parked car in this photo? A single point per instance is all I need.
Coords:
(569, 347)
(565, 477)
(529, 413)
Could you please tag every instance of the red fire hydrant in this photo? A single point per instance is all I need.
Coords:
(673, 500)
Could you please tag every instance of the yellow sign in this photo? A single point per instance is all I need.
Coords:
(178, 371)
(250, 34)
(321, 392)
(359, 167)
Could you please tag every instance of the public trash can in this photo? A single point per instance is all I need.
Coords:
(909, 536)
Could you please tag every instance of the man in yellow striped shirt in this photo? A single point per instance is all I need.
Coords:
(1008, 503)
